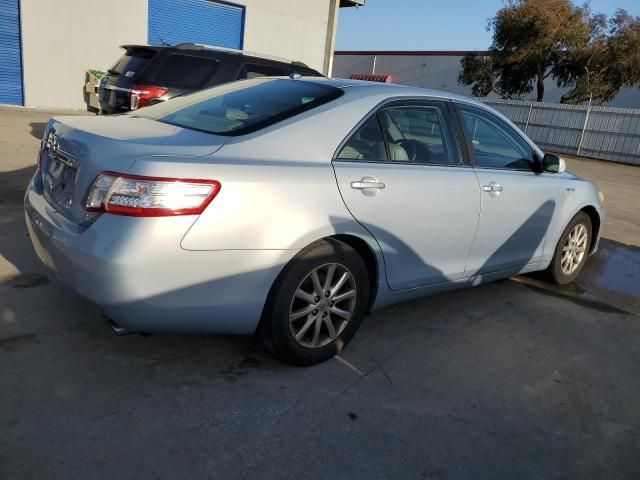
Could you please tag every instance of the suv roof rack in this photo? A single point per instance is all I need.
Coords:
(202, 46)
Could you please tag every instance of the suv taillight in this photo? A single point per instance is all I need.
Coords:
(140, 196)
(141, 95)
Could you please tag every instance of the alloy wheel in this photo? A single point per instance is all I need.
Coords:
(322, 305)
(574, 249)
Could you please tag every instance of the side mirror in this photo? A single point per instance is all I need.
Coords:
(553, 164)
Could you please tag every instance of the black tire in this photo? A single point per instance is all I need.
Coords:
(274, 330)
(555, 271)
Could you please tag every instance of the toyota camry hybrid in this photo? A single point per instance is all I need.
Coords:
(290, 207)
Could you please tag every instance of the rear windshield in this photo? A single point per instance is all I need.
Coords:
(180, 71)
(132, 62)
(241, 107)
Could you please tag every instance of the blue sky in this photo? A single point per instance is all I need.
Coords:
(431, 24)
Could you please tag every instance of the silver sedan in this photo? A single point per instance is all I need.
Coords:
(291, 207)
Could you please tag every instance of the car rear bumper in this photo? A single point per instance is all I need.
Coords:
(113, 99)
(136, 271)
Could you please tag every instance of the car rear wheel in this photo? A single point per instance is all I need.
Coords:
(572, 250)
(317, 304)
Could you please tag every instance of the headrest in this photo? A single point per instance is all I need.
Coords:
(370, 134)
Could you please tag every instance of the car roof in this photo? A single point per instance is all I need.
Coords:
(362, 88)
(215, 51)
(389, 89)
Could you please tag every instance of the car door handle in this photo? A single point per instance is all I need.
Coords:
(367, 182)
(494, 187)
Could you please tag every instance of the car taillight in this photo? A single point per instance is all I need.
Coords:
(140, 196)
(141, 95)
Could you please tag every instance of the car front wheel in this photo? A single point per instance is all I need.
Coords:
(572, 250)
(317, 304)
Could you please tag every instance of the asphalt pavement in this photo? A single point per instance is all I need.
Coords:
(511, 380)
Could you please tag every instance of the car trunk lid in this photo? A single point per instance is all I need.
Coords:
(77, 149)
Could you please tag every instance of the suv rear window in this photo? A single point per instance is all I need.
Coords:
(132, 62)
(241, 107)
(180, 70)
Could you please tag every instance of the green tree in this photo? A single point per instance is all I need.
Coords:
(530, 39)
(477, 71)
(609, 62)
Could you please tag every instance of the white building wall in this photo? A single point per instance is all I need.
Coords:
(62, 39)
(295, 29)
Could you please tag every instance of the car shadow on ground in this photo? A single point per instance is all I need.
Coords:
(13, 185)
(609, 281)
(16, 247)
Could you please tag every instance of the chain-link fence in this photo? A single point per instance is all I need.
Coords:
(604, 133)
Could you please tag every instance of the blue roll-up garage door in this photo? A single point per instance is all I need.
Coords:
(195, 21)
(10, 53)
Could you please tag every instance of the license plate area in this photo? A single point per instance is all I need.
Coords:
(60, 180)
(108, 97)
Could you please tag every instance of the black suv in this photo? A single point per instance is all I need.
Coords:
(145, 75)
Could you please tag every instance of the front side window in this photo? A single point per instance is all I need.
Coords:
(241, 107)
(495, 144)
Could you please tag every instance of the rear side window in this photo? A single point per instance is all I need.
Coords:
(181, 71)
(420, 134)
(132, 62)
(367, 143)
(256, 71)
(241, 107)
